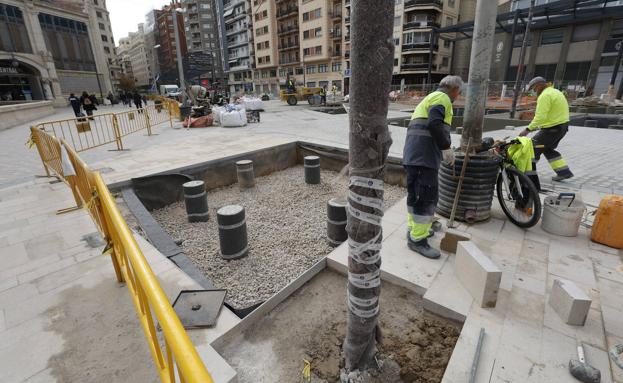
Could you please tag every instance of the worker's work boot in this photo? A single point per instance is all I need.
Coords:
(423, 248)
(559, 178)
(431, 233)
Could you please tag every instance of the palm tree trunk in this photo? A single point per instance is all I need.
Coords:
(369, 142)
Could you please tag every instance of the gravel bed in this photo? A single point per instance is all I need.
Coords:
(286, 223)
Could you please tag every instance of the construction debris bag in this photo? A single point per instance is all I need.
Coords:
(250, 103)
(235, 118)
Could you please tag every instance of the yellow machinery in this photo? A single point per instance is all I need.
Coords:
(304, 93)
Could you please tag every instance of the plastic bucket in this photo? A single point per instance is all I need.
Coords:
(562, 216)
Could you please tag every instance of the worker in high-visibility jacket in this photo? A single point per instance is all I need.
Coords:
(552, 120)
(426, 145)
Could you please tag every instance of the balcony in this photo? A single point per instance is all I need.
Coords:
(335, 14)
(233, 31)
(337, 53)
(347, 19)
(419, 46)
(336, 34)
(285, 47)
(288, 61)
(414, 66)
(347, 54)
(420, 25)
(423, 3)
(347, 3)
(289, 11)
(347, 37)
(236, 43)
(288, 29)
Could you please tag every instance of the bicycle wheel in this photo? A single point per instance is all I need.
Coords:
(518, 197)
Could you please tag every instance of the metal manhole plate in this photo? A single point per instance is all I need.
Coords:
(199, 308)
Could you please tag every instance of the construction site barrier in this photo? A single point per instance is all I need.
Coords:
(176, 351)
(89, 132)
(171, 105)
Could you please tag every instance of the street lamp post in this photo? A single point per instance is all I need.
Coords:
(178, 54)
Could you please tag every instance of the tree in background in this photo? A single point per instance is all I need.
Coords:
(126, 83)
(369, 141)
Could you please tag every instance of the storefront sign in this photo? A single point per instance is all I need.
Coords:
(4, 69)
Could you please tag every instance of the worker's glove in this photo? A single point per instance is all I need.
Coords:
(448, 156)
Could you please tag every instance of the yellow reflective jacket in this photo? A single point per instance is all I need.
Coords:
(551, 109)
(522, 154)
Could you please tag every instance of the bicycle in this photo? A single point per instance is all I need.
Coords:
(517, 194)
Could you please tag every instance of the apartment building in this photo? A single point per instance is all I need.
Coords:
(239, 43)
(134, 49)
(202, 41)
(308, 41)
(165, 42)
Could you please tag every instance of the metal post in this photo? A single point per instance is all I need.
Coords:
(512, 44)
(178, 54)
(480, 65)
(615, 71)
(430, 60)
(522, 56)
(620, 91)
(147, 120)
(117, 132)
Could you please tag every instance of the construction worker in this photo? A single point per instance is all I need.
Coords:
(552, 120)
(323, 95)
(427, 143)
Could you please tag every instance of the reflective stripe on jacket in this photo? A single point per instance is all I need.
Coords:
(421, 148)
(551, 109)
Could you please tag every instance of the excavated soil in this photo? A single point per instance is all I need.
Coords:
(311, 325)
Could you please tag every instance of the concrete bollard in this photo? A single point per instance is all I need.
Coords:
(312, 169)
(246, 177)
(336, 221)
(232, 232)
(590, 123)
(196, 201)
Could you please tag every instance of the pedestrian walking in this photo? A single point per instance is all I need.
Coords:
(144, 100)
(75, 104)
(89, 103)
(323, 95)
(551, 119)
(138, 101)
(426, 145)
(110, 98)
(129, 97)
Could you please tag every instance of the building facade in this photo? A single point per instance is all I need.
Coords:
(165, 42)
(204, 62)
(99, 15)
(239, 43)
(135, 50)
(51, 49)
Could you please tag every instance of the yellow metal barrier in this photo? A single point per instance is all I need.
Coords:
(171, 105)
(129, 263)
(93, 131)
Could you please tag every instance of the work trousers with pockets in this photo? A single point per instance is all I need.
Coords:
(549, 139)
(422, 197)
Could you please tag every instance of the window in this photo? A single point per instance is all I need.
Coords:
(410, 38)
(102, 26)
(312, 33)
(99, 14)
(13, 32)
(545, 70)
(395, 62)
(322, 68)
(519, 40)
(552, 36)
(68, 41)
(449, 21)
(299, 70)
(312, 15)
(397, 41)
(447, 43)
(107, 50)
(104, 38)
(444, 62)
(311, 84)
(310, 69)
(205, 6)
(397, 21)
(282, 72)
(336, 67)
(576, 71)
(585, 32)
(451, 3)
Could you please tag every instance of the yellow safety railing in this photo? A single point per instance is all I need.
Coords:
(171, 105)
(176, 352)
(89, 132)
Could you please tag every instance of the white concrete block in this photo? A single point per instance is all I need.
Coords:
(570, 302)
(478, 274)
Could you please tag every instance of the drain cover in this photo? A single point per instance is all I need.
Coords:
(199, 308)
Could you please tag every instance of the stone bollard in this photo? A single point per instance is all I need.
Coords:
(590, 123)
(246, 177)
(336, 221)
(312, 169)
(232, 232)
(196, 201)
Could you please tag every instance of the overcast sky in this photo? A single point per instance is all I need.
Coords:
(125, 15)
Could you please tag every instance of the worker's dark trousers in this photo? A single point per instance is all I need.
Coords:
(549, 138)
(422, 196)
